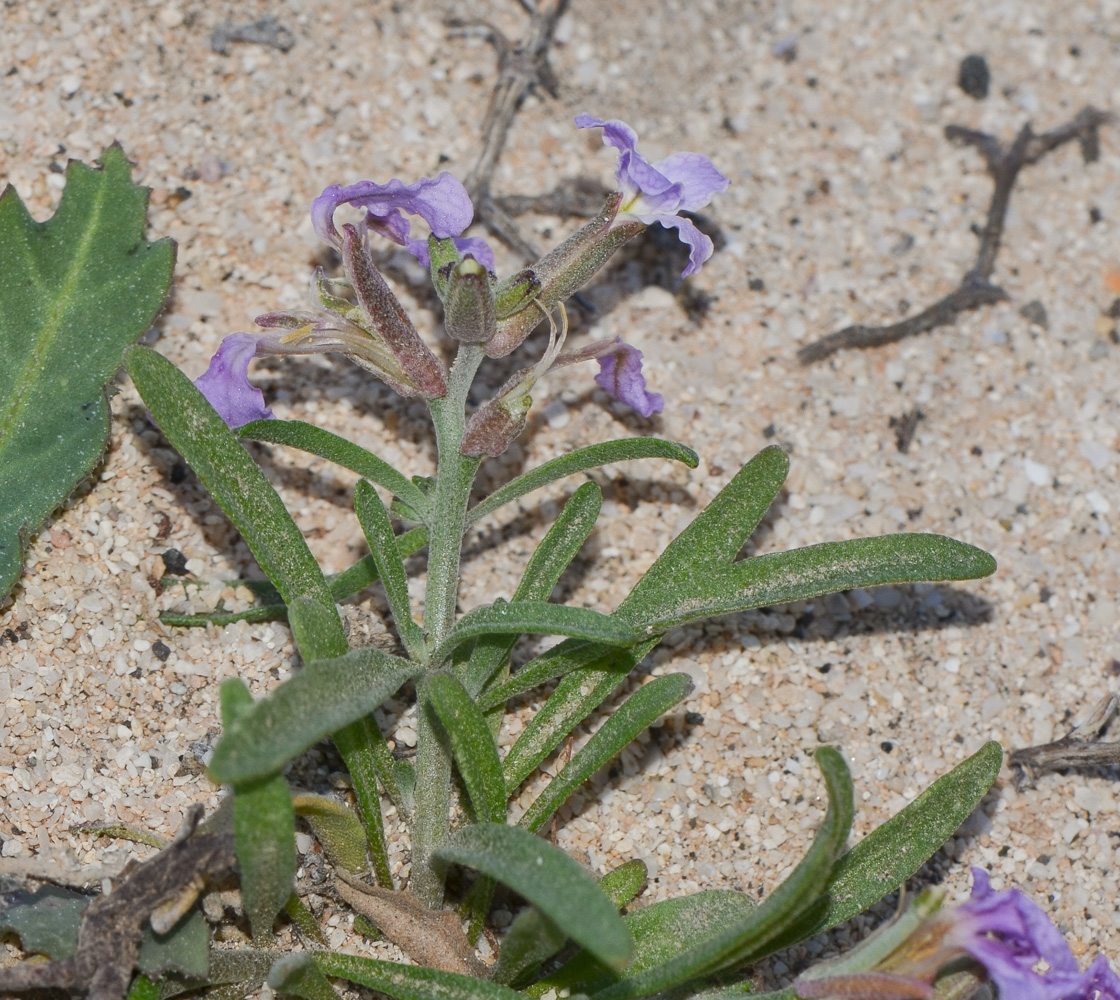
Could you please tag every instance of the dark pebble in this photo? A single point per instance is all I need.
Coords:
(175, 562)
(974, 77)
(1035, 312)
(161, 651)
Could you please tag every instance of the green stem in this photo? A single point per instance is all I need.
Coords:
(454, 477)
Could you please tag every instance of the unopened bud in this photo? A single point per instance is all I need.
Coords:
(469, 312)
(497, 423)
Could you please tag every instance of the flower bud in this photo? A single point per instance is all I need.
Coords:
(496, 424)
(469, 312)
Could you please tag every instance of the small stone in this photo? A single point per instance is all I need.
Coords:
(1037, 473)
(1035, 312)
(175, 563)
(161, 651)
(974, 77)
(70, 84)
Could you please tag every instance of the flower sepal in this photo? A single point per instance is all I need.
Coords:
(516, 292)
(468, 302)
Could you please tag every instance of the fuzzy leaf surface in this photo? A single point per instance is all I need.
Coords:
(323, 698)
(337, 828)
(184, 950)
(411, 982)
(623, 450)
(76, 292)
(46, 920)
(555, 883)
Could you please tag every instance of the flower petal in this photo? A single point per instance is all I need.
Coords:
(700, 246)
(620, 373)
(226, 386)
(697, 176)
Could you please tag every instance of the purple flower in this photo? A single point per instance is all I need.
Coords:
(683, 182)
(226, 386)
(620, 373)
(442, 202)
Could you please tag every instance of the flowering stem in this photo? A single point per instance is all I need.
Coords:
(454, 477)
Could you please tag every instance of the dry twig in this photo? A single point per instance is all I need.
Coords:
(1080, 748)
(976, 288)
(109, 938)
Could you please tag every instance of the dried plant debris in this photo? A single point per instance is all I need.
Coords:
(266, 31)
(521, 68)
(1080, 748)
(905, 427)
(976, 288)
(158, 891)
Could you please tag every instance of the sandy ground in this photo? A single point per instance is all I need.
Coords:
(847, 205)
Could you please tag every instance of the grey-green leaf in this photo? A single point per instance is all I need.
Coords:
(605, 453)
(264, 830)
(46, 920)
(316, 441)
(536, 617)
(549, 879)
(231, 476)
(337, 828)
(472, 746)
(298, 976)
(411, 982)
(77, 290)
(323, 698)
(378, 530)
(184, 950)
(640, 710)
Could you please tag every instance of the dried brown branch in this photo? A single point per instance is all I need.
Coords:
(109, 937)
(521, 67)
(976, 288)
(1080, 748)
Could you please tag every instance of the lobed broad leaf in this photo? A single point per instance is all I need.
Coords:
(77, 291)
(551, 880)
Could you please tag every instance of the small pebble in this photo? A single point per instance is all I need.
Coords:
(974, 77)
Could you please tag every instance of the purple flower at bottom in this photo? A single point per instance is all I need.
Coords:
(442, 202)
(620, 373)
(226, 386)
(658, 192)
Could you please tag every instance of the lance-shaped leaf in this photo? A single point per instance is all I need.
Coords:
(337, 828)
(298, 976)
(564, 657)
(232, 477)
(556, 551)
(272, 607)
(548, 878)
(731, 942)
(316, 441)
(532, 938)
(697, 577)
(264, 830)
(535, 617)
(472, 746)
(624, 450)
(383, 546)
(323, 698)
(77, 290)
(641, 709)
(577, 695)
(410, 982)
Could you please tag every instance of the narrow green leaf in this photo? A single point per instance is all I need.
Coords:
(591, 457)
(316, 441)
(323, 698)
(298, 976)
(304, 920)
(383, 547)
(337, 828)
(123, 831)
(272, 609)
(535, 617)
(143, 988)
(641, 709)
(183, 950)
(577, 695)
(736, 942)
(893, 852)
(713, 539)
(561, 659)
(411, 982)
(77, 290)
(316, 629)
(556, 551)
(264, 830)
(472, 746)
(623, 883)
(800, 574)
(367, 756)
(549, 879)
(244, 967)
(231, 476)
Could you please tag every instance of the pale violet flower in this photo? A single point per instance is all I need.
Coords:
(620, 373)
(442, 202)
(659, 192)
(226, 385)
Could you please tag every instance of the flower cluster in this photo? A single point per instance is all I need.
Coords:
(1020, 950)
(364, 321)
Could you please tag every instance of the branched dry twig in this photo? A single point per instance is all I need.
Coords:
(976, 288)
(521, 67)
(1080, 748)
(109, 938)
